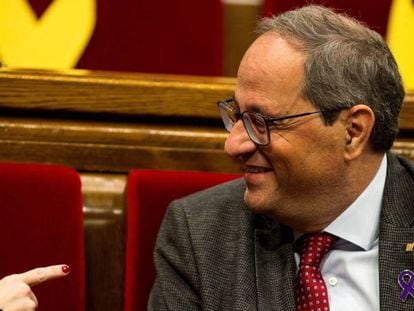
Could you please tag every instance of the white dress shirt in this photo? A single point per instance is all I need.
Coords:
(350, 270)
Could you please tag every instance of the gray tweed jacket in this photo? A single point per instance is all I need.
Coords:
(213, 254)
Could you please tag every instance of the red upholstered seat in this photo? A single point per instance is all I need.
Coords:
(41, 224)
(373, 13)
(149, 193)
(157, 36)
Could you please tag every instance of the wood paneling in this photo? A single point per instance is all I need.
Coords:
(113, 147)
(407, 116)
(103, 93)
(239, 32)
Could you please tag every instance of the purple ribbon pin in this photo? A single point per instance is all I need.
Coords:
(406, 282)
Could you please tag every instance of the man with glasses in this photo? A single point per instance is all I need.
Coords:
(313, 117)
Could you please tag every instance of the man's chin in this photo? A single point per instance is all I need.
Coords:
(254, 200)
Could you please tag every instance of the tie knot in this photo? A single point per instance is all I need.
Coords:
(315, 247)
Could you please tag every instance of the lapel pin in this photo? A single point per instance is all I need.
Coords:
(409, 247)
(406, 282)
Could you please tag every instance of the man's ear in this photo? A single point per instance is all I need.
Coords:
(359, 121)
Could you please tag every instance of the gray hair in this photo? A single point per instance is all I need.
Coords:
(347, 64)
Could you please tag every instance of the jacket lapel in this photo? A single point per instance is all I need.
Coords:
(275, 267)
(396, 230)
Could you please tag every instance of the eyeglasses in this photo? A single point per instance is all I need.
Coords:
(257, 126)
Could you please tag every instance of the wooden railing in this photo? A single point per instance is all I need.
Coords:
(104, 125)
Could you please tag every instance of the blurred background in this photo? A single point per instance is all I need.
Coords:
(203, 37)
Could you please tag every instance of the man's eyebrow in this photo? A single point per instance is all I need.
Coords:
(256, 108)
(252, 107)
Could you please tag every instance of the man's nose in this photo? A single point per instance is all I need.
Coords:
(238, 141)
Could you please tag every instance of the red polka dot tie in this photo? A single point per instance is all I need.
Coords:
(310, 288)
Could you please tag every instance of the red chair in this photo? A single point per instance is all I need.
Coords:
(373, 13)
(157, 36)
(41, 224)
(149, 194)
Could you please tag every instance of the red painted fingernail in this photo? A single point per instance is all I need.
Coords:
(66, 269)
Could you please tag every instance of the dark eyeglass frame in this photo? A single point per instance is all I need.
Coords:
(224, 106)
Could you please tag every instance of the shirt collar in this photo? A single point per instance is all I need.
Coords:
(363, 214)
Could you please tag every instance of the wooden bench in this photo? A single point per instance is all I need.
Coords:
(104, 124)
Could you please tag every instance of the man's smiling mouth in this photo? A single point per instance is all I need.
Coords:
(256, 169)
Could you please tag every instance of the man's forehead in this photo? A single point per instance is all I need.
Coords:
(270, 77)
(271, 59)
(271, 42)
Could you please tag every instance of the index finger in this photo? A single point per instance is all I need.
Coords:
(39, 275)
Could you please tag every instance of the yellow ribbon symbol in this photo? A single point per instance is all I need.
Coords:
(56, 40)
(400, 37)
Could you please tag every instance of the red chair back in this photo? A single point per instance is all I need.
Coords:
(157, 36)
(149, 194)
(41, 224)
(373, 13)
